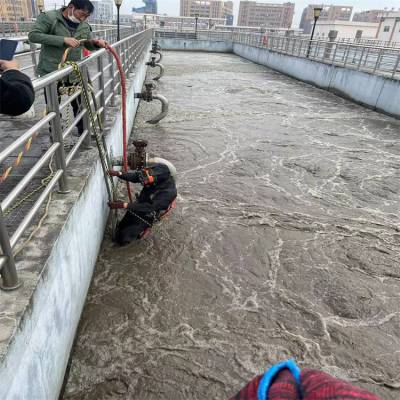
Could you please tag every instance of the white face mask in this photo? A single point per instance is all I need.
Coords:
(73, 19)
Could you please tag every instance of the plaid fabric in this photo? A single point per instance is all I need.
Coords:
(316, 385)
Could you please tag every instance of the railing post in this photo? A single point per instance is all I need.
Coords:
(32, 47)
(344, 54)
(332, 35)
(366, 56)
(129, 51)
(334, 53)
(56, 133)
(100, 68)
(301, 47)
(361, 58)
(133, 52)
(378, 60)
(316, 50)
(111, 60)
(396, 66)
(8, 272)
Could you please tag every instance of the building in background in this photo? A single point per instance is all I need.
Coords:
(103, 11)
(266, 15)
(206, 8)
(389, 27)
(179, 24)
(368, 16)
(346, 29)
(254, 29)
(125, 19)
(329, 13)
(228, 12)
(150, 7)
(16, 10)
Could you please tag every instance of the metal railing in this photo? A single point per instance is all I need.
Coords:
(379, 60)
(21, 28)
(370, 42)
(373, 59)
(30, 51)
(106, 86)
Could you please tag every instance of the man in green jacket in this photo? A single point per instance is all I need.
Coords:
(57, 30)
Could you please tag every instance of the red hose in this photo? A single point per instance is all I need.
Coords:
(123, 95)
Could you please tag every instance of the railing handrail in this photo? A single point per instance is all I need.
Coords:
(343, 41)
(94, 32)
(55, 76)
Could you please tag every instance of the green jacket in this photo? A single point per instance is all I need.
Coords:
(49, 30)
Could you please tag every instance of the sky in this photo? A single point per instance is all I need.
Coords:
(171, 7)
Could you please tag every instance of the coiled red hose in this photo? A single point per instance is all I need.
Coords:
(124, 128)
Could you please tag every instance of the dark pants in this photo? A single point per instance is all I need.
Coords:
(133, 224)
(152, 202)
(76, 105)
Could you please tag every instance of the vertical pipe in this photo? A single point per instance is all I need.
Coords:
(9, 272)
(32, 47)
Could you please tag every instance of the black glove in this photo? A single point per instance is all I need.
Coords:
(111, 172)
(116, 204)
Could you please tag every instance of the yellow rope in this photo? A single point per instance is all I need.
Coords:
(18, 160)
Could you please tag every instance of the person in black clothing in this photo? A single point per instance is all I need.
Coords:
(16, 90)
(154, 201)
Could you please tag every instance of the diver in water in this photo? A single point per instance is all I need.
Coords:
(155, 200)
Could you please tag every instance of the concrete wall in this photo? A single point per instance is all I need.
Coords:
(374, 91)
(195, 45)
(35, 362)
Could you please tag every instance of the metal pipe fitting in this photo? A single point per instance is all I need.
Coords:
(164, 109)
(161, 74)
(155, 45)
(154, 64)
(159, 53)
(147, 93)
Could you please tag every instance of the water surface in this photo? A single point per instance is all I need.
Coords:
(285, 244)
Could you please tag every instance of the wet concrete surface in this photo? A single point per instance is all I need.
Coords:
(284, 244)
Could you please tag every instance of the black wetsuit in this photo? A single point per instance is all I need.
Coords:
(159, 191)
